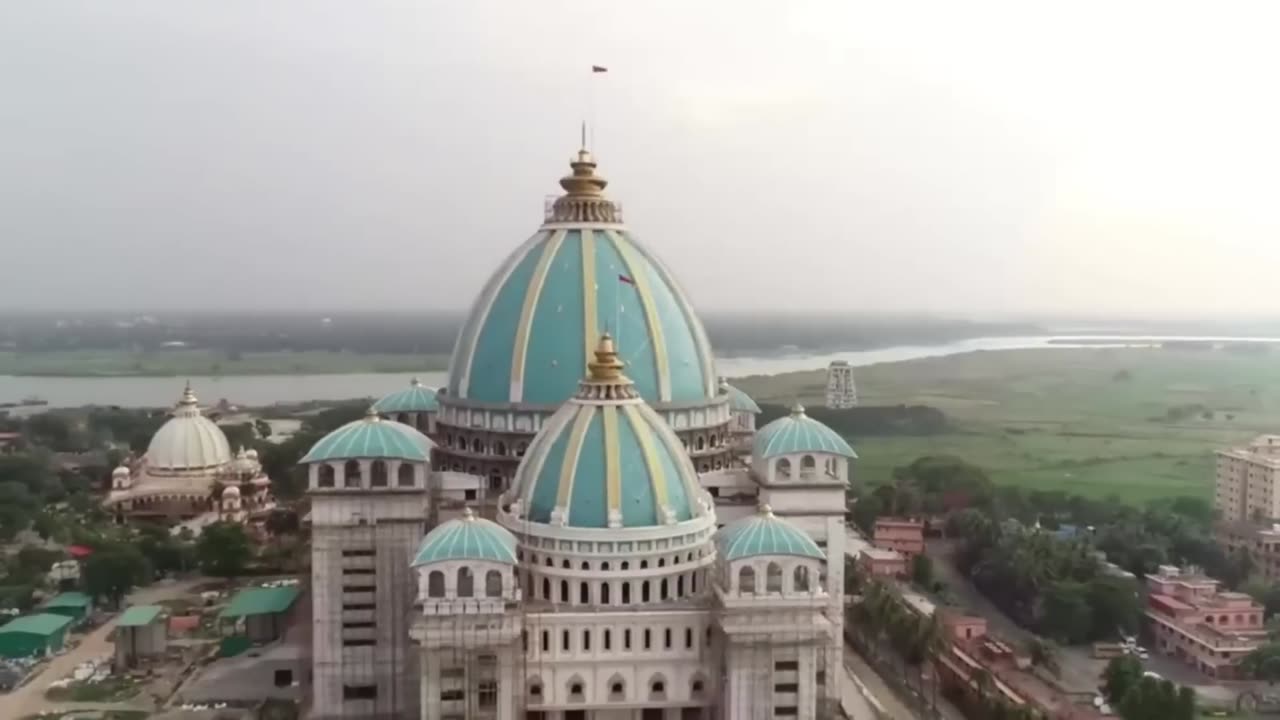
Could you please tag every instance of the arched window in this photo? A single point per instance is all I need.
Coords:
(546, 589)
(680, 586)
(801, 579)
(564, 591)
(657, 687)
(644, 565)
(404, 476)
(704, 467)
(326, 476)
(699, 444)
(499, 448)
(696, 687)
(575, 689)
(693, 583)
(466, 583)
(565, 564)
(662, 562)
(747, 580)
(435, 584)
(477, 446)
(604, 565)
(604, 593)
(644, 591)
(584, 593)
(586, 565)
(351, 474)
(626, 593)
(493, 584)
(662, 589)
(378, 473)
(550, 562)
(783, 468)
(473, 469)
(808, 464)
(520, 448)
(617, 690)
(773, 578)
(625, 565)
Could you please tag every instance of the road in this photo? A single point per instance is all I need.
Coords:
(856, 705)
(29, 699)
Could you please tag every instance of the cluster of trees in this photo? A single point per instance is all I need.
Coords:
(1057, 587)
(1134, 695)
(868, 419)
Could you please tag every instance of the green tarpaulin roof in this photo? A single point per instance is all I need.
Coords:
(260, 601)
(139, 615)
(42, 624)
(70, 599)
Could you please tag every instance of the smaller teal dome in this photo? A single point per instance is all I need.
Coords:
(799, 433)
(605, 459)
(467, 538)
(740, 401)
(415, 398)
(765, 534)
(371, 437)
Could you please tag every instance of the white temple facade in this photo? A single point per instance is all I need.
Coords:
(189, 474)
(609, 535)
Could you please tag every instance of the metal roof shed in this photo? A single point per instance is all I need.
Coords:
(263, 610)
(33, 635)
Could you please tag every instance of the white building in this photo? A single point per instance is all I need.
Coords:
(841, 392)
(603, 545)
(188, 473)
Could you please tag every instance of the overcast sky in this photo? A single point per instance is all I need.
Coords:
(966, 157)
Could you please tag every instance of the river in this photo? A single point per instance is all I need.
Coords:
(255, 390)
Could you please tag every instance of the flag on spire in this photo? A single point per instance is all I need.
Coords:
(599, 69)
(627, 280)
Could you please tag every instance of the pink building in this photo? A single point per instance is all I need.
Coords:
(901, 534)
(1208, 629)
(959, 627)
(882, 563)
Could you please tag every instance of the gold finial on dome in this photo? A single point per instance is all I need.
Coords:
(583, 200)
(765, 509)
(797, 408)
(583, 181)
(371, 415)
(606, 367)
(468, 515)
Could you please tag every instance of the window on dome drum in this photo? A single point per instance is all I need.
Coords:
(644, 565)
(625, 565)
(378, 474)
(550, 562)
(466, 583)
(695, 688)
(565, 564)
(435, 584)
(783, 468)
(801, 579)
(808, 464)
(499, 448)
(535, 690)
(747, 580)
(616, 690)
(521, 448)
(326, 476)
(699, 444)
(351, 474)
(657, 687)
(575, 689)
(773, 578)
(662, 562)
(493, 584)
(404, 476)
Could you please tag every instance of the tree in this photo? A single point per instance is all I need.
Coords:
(1067, 615)
(1114, 604)
(922, 571)
(112, 570)
(262, 427)
(1120, 675)
(1044, 653)
(1263, 663)
(165, 552)
(223, 550)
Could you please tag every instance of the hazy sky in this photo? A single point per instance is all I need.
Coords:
(951, 156)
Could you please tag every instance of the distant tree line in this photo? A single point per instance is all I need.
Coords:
(869, 419)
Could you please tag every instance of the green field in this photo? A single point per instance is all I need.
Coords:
(110, 363)
(1088, 421)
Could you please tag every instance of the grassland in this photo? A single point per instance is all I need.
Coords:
(1089, 421)
(180, 362)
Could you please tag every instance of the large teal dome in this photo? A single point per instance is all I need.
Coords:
(531, 331)
(606, 459)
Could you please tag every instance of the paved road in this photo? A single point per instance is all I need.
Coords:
(857, 706)
(29, 699)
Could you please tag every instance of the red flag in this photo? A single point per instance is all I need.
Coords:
(626, 280)
(599, 69)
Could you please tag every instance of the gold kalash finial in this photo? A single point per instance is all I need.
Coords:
(605, 380)
(584, 199)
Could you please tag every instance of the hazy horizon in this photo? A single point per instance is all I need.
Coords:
(987, 160)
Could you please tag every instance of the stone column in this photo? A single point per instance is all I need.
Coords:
(510, 691)
(430, 684)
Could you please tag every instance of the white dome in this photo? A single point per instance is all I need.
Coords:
(120, 472)
(189, 441)
(231, 492)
